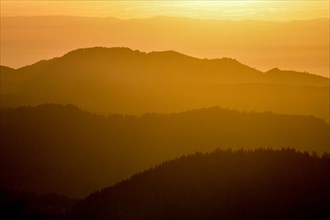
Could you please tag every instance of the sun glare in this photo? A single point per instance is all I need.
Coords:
(228, 10)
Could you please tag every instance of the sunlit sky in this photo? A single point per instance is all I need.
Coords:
(229, 10)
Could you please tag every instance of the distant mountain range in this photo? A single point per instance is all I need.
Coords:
(62, 149)
(109, 80)
(301, 45)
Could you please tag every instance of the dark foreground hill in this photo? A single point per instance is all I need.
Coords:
(62, 149)
(18, 205)
(121, 80)
(260, 184)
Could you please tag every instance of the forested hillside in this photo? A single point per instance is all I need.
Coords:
(260, 184)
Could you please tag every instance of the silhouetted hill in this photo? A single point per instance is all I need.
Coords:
(18, 205)
(121, 80)
(260, 184)
(62, 149)
(221, 70)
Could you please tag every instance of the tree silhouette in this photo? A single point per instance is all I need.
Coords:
(259, 184)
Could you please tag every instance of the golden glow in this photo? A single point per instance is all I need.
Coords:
(232, 10)
(305, 47)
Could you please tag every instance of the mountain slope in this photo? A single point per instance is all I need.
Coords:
(62, 149)
(261, 184)
(126, 81)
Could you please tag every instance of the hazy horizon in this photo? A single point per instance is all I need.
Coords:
(237, 10)
(28, 39)
(169, 16)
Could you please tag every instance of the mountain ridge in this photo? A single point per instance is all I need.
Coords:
(122, 80)
(169, 53)
(81, 51)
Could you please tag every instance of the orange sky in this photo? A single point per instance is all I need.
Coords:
(297, 46)
(233, 10)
